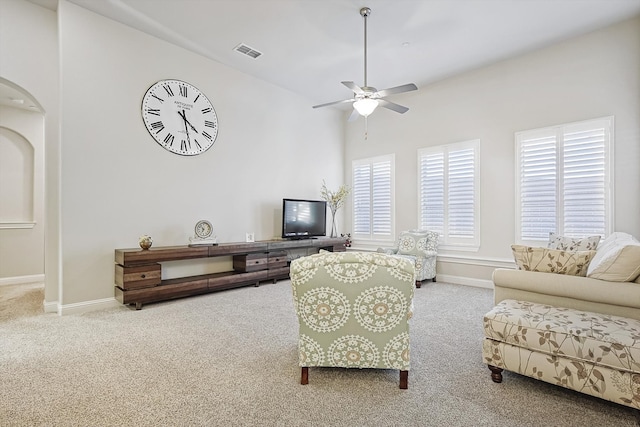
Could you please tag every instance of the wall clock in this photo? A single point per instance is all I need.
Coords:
(179, 117)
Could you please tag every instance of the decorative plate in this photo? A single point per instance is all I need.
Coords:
(204, 229)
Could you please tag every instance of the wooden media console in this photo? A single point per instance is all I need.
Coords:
(138, 272)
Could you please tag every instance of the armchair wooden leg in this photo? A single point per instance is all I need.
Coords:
(418, 283)
(404, 380)
(304, 378)
(496, 374)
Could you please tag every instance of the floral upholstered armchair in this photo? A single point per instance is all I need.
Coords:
(419, 246)
(353, 309)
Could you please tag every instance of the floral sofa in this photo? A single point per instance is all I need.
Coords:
(570, 317)
(353, 309)
(419, 246)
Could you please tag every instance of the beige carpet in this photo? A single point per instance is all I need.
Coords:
(21, 300)
(229, 359)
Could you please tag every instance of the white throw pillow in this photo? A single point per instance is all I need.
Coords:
(573, 245)
(617, 259)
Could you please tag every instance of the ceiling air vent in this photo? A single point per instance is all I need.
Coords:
(246, 50)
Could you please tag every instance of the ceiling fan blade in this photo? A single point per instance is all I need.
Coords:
(398, 89)
(354, 115)
(354, 87)
(392, 106)
(334, 103)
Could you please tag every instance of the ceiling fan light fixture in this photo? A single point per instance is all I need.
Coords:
(367, 98)
(365, 106)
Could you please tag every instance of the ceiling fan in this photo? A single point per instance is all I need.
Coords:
(367, 98)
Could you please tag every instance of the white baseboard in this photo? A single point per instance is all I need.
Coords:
(467, 281)
(50, 307)
(22, 280)
(81, 307)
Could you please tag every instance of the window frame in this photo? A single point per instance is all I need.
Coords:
(559, 131)
(446, 241)
(371, 237)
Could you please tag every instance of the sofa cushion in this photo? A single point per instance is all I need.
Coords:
(552, 260)
(617, 259)
(570, 244)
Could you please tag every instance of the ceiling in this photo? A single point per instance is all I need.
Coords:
(310, 46)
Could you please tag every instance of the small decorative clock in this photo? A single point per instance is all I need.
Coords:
(204, 234)
(179, 117)
(203, 229)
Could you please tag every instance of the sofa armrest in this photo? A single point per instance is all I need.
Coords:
(423, 256)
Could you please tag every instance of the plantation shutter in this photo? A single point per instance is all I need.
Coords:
(432, 212)
(448, 192)
(361, 190)
(563, 183)
(373, 198)
(461, 193)
(584, 181)
(538, 186)
(381, 203)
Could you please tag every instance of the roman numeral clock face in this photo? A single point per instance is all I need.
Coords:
(179, 117)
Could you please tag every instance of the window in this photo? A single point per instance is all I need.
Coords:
(373, 198)
(448, 193)
(563, 181)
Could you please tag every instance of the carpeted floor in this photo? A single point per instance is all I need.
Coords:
(20, 301)
(230, 359)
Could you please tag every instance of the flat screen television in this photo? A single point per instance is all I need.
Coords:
(303, 219)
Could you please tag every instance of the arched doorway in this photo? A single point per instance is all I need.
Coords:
(22, 189)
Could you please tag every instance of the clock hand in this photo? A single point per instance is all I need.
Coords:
(184, 117)
(185, 126)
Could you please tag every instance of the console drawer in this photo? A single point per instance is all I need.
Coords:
(277, 259)
(250, 262)
(142, 276)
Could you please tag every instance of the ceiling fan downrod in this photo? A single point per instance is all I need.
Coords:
(365, 12)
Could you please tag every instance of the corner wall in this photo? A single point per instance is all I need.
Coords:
(117, 183)
(29, 59)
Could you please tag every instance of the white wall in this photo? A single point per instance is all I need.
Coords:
(117, 183)
(29, 59)
(590, 76)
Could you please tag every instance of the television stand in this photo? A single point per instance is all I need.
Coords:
(138, 272)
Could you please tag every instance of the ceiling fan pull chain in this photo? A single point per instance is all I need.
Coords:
(366, 129)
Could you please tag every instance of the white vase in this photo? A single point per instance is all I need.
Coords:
(334, 232)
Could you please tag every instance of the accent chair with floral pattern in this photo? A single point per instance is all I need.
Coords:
(419, 246)
(353, 309)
